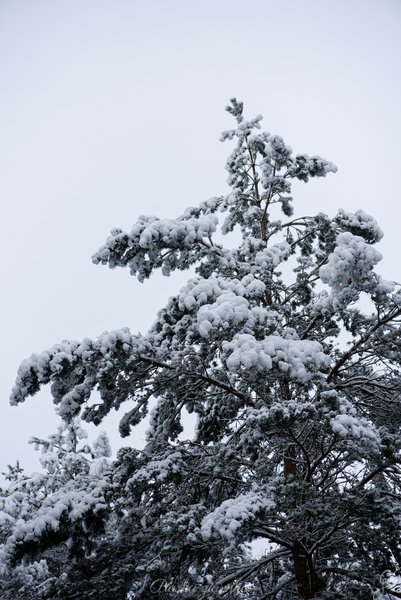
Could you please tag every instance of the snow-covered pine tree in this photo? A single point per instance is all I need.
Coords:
(54, 512)
(296, 392)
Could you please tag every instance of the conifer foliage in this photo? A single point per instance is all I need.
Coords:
(287, 351)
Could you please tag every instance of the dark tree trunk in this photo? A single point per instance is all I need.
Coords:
(306, 577)
(308, 582)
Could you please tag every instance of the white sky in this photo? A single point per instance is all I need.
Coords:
(111, 109)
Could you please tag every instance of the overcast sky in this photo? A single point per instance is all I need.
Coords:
(112, 109)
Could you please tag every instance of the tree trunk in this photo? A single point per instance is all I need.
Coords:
(306, 577)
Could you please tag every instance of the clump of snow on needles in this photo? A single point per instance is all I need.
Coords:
(298, 359)
(231, 515)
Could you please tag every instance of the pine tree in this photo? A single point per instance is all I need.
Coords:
(287, 350)
(56, 512)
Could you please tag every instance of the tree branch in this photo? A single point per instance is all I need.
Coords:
(364, 338)
(205, 378)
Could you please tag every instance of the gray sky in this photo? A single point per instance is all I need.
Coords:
(112, 109)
